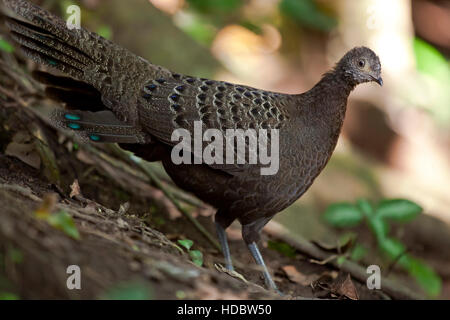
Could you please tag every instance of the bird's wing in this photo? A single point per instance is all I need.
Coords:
(177, 102)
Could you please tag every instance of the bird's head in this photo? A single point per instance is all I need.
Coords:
(361, 65)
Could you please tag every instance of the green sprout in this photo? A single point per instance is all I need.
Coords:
(196, 255)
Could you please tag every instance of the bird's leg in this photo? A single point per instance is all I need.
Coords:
(222, 235)
(253, 247)
(251, 236)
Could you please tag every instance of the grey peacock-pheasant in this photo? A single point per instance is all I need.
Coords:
(114, 96)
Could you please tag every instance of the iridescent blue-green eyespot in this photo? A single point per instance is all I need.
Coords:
(94, 137)
(74, 126)
(72, 117)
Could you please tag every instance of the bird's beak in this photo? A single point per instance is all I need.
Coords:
(378, 80)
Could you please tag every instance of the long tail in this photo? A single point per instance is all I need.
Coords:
(46, 39)
(118, 74)
(108, 75)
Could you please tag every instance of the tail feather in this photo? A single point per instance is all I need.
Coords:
(54, 55)
(114, 71)
(100, 126)
(46, 39)
(47, 23)
(42, 37)
(51, 62)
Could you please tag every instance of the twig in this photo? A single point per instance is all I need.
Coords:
(392, 288)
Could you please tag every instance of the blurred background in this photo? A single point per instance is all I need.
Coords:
(396, 138)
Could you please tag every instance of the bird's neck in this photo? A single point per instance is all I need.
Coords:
(324, 106)
(334, 86)
(329, 96)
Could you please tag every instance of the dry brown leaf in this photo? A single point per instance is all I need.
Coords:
(296, 276)
(345, 288)
(75, 189)
(23, 148)
(124, 207)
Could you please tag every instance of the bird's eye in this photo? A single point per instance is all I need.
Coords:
(361, 63)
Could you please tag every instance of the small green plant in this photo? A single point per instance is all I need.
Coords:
(8, 296)
(378, 219)
(6, 46)
(282, 247)
(60, 220)
(196, 255)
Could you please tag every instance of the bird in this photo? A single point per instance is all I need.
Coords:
(115, 96)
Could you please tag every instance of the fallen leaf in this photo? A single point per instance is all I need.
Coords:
(75, 189)
(297, 277)
(24, 148)
(124, 208)
(345, 288)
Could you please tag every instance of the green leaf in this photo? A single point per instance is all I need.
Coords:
(365, 207)
(424, 275)
(186, 243)
(197, 257)
(282, 247)
(105, 32)
(340, 260)
(343, 215)
(398, 209)
(430, 61)
(379, 227)
(8, 296)
(307, 13)
(392, 247)
(6, 46)
(64, 222)
(358, 252)
(199, 29)
(129, 291)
